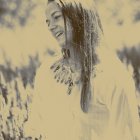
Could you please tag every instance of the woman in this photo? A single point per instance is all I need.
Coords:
(100, 102)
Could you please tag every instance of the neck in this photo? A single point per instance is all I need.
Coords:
(71, 54)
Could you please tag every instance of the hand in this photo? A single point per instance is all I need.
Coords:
(62, 71)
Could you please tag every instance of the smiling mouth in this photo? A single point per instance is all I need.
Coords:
(58, 34)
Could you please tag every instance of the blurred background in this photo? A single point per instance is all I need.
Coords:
(25, 41)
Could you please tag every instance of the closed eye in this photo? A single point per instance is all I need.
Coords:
(57, 17)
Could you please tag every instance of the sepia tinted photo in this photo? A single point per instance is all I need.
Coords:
(70, 70)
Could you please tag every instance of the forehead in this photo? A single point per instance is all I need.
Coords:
(52, 7)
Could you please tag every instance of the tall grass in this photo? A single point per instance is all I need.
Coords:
(16, 92)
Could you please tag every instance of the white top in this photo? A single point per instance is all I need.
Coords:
(112, 115)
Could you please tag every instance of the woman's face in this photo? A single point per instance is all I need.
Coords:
(56, 24)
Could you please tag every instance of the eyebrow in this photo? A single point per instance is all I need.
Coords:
(53, 13)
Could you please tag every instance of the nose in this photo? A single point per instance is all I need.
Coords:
(52, 27)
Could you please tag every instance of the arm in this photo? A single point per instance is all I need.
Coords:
(33, 127)
(124, 113)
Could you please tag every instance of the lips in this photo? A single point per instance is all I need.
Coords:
(58, 34)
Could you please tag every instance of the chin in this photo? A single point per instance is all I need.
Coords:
(62, 44)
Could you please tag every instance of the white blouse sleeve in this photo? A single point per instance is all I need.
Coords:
(124, 120)
(35, 126)
(117, 93)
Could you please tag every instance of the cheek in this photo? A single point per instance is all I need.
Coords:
(61, 24)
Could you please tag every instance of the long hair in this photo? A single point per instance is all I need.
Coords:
(86, 27)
